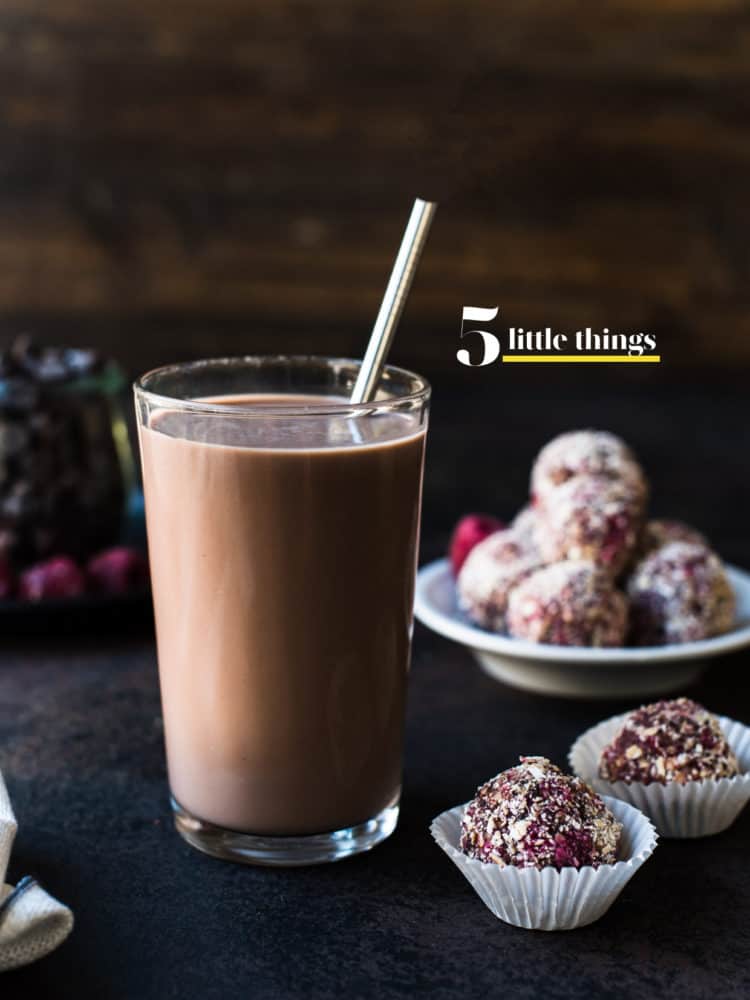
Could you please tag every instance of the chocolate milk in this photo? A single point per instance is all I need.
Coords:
(283, 553)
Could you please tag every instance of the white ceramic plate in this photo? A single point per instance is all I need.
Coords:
(573, 671)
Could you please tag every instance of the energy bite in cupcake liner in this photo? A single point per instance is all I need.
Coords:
(549, 899)
(534, 816)
(568, 604)
(667, 741)
(491, 571)
(585, 453)
(680, 593)
(595, 519)
(691, 808)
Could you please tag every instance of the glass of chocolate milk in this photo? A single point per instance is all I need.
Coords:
(283, 524)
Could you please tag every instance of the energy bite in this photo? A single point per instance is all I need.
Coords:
(568, 604)
(491, 571)
(585, 453)
(668, 741)
(535, 816)
(526, 525)
(596, 519)
(680, 593)
(660, 532)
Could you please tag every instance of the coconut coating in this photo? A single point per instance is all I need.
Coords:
(585, 453)
(526, 525)
(669, 741)
(491, 571)
(599, 520)
(660, 532)
(568, 604)
(534, 816)
(680, 593)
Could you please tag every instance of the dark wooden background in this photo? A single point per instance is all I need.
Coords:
(184, 178)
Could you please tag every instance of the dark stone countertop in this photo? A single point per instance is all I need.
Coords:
(81, 750)
(83, 759)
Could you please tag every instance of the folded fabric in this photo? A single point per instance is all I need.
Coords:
(32, 923)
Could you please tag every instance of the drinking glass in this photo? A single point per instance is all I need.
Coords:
(283, 526)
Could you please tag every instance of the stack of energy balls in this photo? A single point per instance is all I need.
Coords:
(582, 565)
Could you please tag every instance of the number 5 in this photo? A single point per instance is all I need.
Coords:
(490, 342)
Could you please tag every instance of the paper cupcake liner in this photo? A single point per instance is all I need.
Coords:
(8, 829)
(551, 900)
(695, 809)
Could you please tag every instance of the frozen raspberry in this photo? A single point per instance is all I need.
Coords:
(117, 571)
(534, 816)
(470, 531)
(57, 577)
(568, 604)
(585, 453)
(596, 519)
(680, 593)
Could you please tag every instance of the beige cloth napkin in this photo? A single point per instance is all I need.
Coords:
(32, 923)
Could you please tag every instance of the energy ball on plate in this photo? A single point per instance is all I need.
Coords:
(491, 571)
(534, 816)
(660, 532)
(585, 453)
(591, 518)
(526, 525)
(568, 604)
(669, 741)
(680, 593)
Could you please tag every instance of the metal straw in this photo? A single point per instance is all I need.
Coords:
(394, 300)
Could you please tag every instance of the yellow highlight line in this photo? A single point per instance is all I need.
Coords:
(599, 358)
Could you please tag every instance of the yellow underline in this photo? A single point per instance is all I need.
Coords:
(619, 358)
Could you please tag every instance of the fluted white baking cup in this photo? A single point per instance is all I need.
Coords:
(551, 900)
(695, 809)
